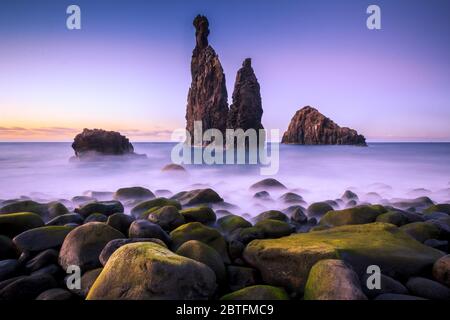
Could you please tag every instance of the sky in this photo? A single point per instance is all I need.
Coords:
(128, 68)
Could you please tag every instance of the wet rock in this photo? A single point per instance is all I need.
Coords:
(197, 231)
(267, 184)
(393, 217)
(133, 193)
(120, 221)
(198, 197)
(318, 209)
(96, 217)
(25, 206)
(331, 279)
(45, 258)
(421, 202)
(428, 289)
(9, 268)
(299, 216)
(397, 297)
(387, 285)
(241, 277)
(113, 245)
(441, 270)
(53, 270)
(15, 223)
(207, 98)
(84, 244)
(141, 271)
(41, 238)
(104, 207)
(421, 231)
(274, 228)
(349, 195)
(205, 254)
(65, 219)
(86, 282)
(309, 126)
(258, 292)
(8, 249)
(55, 294)
(82, 200)
(27, 288)
(249, 234)
(291, 197)
(437, 244)
(444, 208)
(287, 261)
(147, 229)
(232, 222)
(100, 142)
(201, 214)
(271, 214)
(167, 217)
(141, 208)
(356, 215)
(262, 195)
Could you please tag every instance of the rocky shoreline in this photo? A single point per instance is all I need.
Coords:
(133, 244)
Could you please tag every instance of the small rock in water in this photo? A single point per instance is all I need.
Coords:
(267, 184)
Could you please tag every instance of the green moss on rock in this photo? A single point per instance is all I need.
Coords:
(258, 292)
(445, 208)
(232, 222)
(201, 214)
(13, 224)
(42, 238)
(274, 228)
(421, 231)
(141, 208)
(356, 215)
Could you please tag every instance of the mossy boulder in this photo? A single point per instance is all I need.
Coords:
(133, 193)
(332, 279)
(65, 219)
(142, 271)
(25, 206)
(200, 232)
(287, 261)
(258, 292)
(396, 218)
(115, 244)
(41, 238)
(240, 277)
(201, 214)
(96, 217)
(272, 214)
(247, 235)
(267, 184)
(291, 197)
(8, 249)
(142, 207)
(83, 245)
(205, 254)
(120, 221)
(421, 231)
(168, 217)
(104, 207)
(357, 215)
(274, 228)
(198, 197)
(318, 209)
(349, 195)
(445, 208)
(441, 270)
(146, 229)
(417, 203)
(55, 209)
(298, 216)
(13, 224)
(230, 223)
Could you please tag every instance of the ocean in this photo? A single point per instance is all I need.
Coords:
(43, 172)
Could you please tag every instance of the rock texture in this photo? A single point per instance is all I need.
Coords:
(101, 142)
(309, 126)
(246, 110)
(207, 98)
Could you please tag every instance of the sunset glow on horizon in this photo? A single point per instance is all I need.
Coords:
(128, 68)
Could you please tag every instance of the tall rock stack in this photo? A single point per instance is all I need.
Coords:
(246, 110)
(309, 126)
(207, 98)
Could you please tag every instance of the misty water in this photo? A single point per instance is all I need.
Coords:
(43, 172)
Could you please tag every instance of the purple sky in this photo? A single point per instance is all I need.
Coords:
(128, 69)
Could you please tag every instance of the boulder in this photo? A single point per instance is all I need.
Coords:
(13, 224)
(262, 195)
(55, 294)
(298, 216)
(41, 238)
(9, 268)
(84, 244)
(205, 254)
(8, 249)
(287, 261)
(65, 219)
(271, 214)
(200, 214)
(349, 195)
(25, 206)
(168, 217)
(141, 208)
(197, 231)
(43, 259)
(230, 223)
(140, 271)
(241, 277)
(27, 288)
(133, 193)
(318, 209)
(100, 142)
(198, 197)
(441, 270)
(421, 231)
(291, 197)
(257, 292)
(173, 167)
(357, 215)
(331, 279)
(104, 207)
(309, 126)
(120, 221)
(387, 285)
(397, 297)
(147, 229)
(96, 217)
(393, 217)
(267, 184)
(86, 282)
(207, 98)
(428, 289)
(274, 228)
(444, 208)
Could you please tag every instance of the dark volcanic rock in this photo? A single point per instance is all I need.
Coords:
(309, 126)
(207, 98)
(101, 142)
(246, 110)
